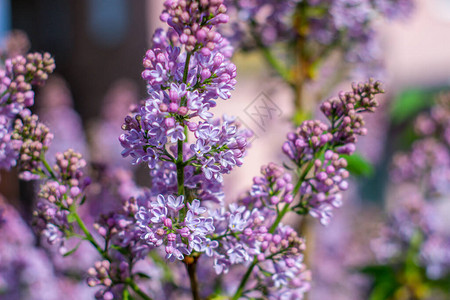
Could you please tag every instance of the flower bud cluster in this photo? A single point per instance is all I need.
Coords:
(344, 112)
(34, 138)
(16, 94)
(17, 79)
(50, 221)
(58, 195)
(107, 275)
(307, 148)
(308, 139)
(178, 226)
(271, 189)
(69, 168)
(193, 22)
(322, 192)
(285, 272)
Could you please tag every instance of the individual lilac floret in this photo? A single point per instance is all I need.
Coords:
(169, 222)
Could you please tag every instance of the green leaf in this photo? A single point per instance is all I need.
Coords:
(358, 165)
(385, 283)
(408, 104)
(442, 284)
(142, 275)
(83, 200)
(73, 250)
(71, 217)
(125, 294)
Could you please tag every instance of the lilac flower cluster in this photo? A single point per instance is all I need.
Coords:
(176, 225)
(428, 162)
(307, 148)
(262, 22)
(247, 235)
(348, 24)
(181, 216)
(34, 138)
(16, 94)
(58, 196)
(322, 192)
(415, 221)
(288, 277)
(25, 270)
(318, 25)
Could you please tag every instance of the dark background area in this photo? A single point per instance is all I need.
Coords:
(94, 42)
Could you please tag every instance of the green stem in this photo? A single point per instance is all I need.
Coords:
(192, 272)
(88, 235)
(136, 289)
(247, 274)
(186, 67)
(47, 166)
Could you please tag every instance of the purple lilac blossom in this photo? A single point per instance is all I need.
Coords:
(407, 222)
(307, 148)
(428, 162)
(16, 94)
(264, 20)
(25, 271)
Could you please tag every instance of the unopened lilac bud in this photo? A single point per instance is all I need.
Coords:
(173, 107)
(183, 110)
